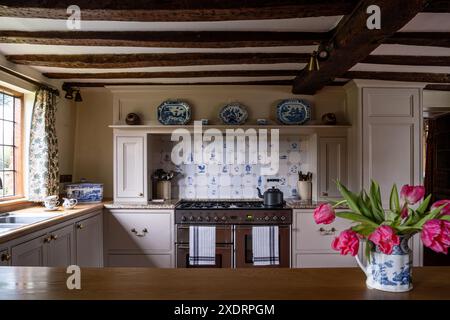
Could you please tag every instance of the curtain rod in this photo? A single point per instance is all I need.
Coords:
(29, 80)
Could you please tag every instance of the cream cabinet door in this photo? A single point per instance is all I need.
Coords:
(391, 137)
(60, 249)
(31, 253)
(332, 166)
(130, 169)
(89, 242)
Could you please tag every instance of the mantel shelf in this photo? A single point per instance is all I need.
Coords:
(284, 129)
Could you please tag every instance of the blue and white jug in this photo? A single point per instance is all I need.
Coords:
(389, 272)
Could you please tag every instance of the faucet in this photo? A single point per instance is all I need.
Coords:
(1, 184)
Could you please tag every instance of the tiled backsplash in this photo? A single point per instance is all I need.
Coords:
(233, 181)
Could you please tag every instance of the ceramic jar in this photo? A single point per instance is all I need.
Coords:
(389, 272)
(164, 189)
(304, 190)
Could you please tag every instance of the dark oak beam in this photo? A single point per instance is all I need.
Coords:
(353, 41)
(165, 39)
(409, 60)
(400, 76)
(433, 39)
(254, 83)
(155, 60)
(437, 6)
(438, 87)
(175, 10)
(174, 74)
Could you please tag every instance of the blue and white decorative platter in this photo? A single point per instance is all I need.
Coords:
(233, 113)
(293, 111)
(174, 112)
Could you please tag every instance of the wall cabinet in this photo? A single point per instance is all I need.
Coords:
(130, 168)
(332, 166)
(138, 238)
(311, 247)
(89, 242)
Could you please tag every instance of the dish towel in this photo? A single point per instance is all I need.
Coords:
(265, 245)
(202, 245)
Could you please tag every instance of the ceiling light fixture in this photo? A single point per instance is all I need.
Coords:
(313, 64)
(78, 96)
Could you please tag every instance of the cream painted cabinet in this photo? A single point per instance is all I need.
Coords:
(311, 243)
(60, 248)
(391, 137)
(137, 238)
(89, 242)
(130, 168)
(332, 166)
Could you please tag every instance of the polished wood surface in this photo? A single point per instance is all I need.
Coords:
(215, 284)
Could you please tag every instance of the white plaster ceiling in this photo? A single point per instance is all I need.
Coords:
(428, 22)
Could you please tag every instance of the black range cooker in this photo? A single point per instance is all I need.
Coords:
(233, 220)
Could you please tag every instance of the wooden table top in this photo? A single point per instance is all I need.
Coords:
(213, 284)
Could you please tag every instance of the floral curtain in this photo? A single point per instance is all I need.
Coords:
(43, 153)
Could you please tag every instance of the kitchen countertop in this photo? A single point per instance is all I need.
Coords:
(168, 204)
(61, 215)
(213, 284)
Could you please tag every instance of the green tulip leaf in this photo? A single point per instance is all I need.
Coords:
(356, 217)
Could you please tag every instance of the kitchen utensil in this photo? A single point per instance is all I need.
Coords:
(272, 197)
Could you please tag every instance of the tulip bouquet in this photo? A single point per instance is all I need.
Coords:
(385, 228)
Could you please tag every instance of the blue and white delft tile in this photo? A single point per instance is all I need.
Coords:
(189, 181)
(236, 181)
(201, 180)
(213, 192)
(224, 192)
(224, 180)
(201, 168)
(213, 180)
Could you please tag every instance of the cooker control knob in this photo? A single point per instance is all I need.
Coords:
(224, 218)
(208, 219)
(191, 218)
(274, 218)
(216, 218)
(283, 218)
(266, 218)
(183, 218)
(199, 218)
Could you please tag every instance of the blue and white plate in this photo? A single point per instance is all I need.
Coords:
(233, 113)
(293, 111)
(174, 112)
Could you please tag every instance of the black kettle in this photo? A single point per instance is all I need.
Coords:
(272, 197)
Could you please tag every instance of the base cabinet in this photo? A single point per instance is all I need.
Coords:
(89, 242)
(31, 253)
(5, 258)
(139, 238)
(60, 248)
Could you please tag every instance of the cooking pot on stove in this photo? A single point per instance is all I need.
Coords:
(272, 197)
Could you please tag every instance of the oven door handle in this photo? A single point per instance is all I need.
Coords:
(224, 246)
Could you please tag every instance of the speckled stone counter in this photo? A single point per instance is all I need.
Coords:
(299, 204)
(169, 204)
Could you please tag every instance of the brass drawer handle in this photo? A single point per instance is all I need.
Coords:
(327, 232)
(142, 234)
(5, 257)
(80, 226)
(53, 237)
(47, 239)
(141, 194)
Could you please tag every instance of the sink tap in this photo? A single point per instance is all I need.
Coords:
(1, 184)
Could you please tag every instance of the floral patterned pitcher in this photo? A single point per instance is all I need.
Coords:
(389, 272)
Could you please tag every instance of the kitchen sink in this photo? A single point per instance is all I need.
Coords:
(10, 221)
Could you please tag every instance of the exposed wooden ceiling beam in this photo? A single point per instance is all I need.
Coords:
(438, 6)
(399, 76)
(165, 39)
(409, 60)
(155, 59)
(433, 39)
(438, 87)
(353, 41)
(174, 74)
(102, 84)
(175, 10)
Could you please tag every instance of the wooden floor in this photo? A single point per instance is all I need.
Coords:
(215, 284)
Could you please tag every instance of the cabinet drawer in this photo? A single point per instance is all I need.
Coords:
(140, 231)
(308, 236)
(140, 260)
(324, 260)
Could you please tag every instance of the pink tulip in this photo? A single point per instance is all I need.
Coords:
(436, 235)
(405, 212)
(324, 214)
(412, 194)
(347, 242)
(445, 210)
(385, 238)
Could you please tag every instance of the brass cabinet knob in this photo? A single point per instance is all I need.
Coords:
(47, 239)
(5, 257)
(80, 226)
(53, 237)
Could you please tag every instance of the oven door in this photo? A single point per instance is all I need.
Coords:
(244, 249)
(224, 256)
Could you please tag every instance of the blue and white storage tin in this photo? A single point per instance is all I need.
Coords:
(85, 192)
(293, 111)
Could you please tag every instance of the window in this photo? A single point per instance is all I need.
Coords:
(10, 145)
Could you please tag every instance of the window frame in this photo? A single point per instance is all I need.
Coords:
(18, 146)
